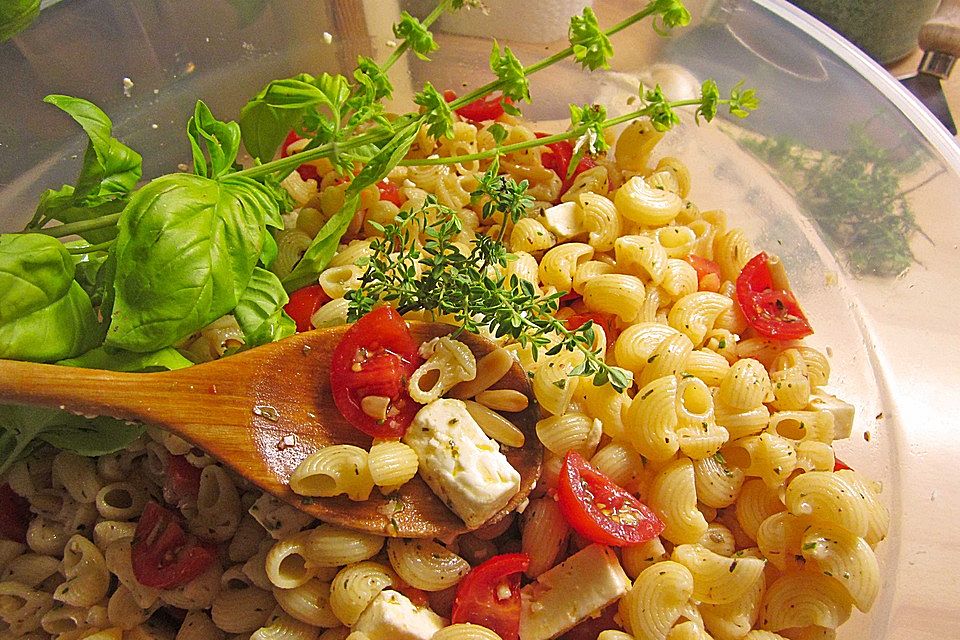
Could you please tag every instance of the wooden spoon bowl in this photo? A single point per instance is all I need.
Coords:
(262, 411)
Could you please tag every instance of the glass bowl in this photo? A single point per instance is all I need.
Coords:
(830, 120)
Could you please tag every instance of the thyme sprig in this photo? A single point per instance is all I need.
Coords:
(417, 265)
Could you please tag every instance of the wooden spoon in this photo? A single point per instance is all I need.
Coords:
(261, 412)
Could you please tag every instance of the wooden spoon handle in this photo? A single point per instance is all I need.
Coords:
(941, 33)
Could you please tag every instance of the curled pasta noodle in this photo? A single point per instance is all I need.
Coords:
(544, 534)
(86, 573)
(309, 603)
(679, 278)
(291, 245)
(635, 144)
(678, 241)
(282, 626)
(732, 250)
(717, 482)
(694, 314)
(588, 270)
(716, 578)
(531, 236)
(638, 201)
(553, 385)
(637, 343)
(286, 562)
(355, 587)
(332, 546)
(76, 474)
(673, 497)
(829, 498)
(559, 264)
(651, 421)
(465, 631)
(600, 219)
(618, 462)
(333, 470)
(337, 281)
(448, 363)
(241, 607)
(756, 503)
(425, 564)
(804, 598)
(570, 432)
(29, 569)
(746, 386)
(120, 501)
(669, 358)
(218, 505)
(641, 256)
(614, 293)
(659, 597)
(391, 464)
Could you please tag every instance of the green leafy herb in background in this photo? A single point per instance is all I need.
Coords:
(856, 197)
(17, 15)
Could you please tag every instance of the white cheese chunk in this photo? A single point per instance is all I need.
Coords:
(391, 616)
(460, 463)
(564, 220)
(843, 412)
(576, 589)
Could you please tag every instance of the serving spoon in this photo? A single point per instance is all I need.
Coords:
(260, 412)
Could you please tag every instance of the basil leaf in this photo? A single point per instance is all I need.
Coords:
(324, 246)
(267, 119)
(96, 437)
(186, 248)
(166, 359)
(62, 329)
(86, 437)
(221, 139)
(260, 310)
(44, 314)
(17, 15)
(109, 166)
(379, 165)
(35, 271)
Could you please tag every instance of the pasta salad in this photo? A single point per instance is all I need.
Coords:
(689, 487)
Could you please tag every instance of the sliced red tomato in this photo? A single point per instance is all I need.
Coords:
(419, 597)
(557, 158)
(709, 275)
(306, 171)
(839, 464)
(490, 595)
(376, 357)
(182, 481)
(771, 312)
(14, 515)
(599, 509)
(163, 555)
(487, 108)
(604, 320)
(304, 303)
(390, 192)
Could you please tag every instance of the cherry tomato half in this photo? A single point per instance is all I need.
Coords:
(163, 555)
(709, 275)
(181, 483)
(376, 357)
(557, 158)
(306, 171)
(490, 595)
(304, 303)
(599, 509)
(487, 108)
(839, 464)
(14, 515)
(772, 313)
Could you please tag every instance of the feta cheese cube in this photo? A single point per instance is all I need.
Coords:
(843, 412)
(578, 588)
(391, 616)
(564, 220)
(460, 463)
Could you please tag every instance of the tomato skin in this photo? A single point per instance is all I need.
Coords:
(709, 275)
(181, 484)
(306, 171)
(304, 303)
(839, 464)
(557, 158)
(489, 107)
(582, 487)
(604, 320)
(772, 313)
(163, 556)
(376, 356)
(477, 600)
(390, 192)
(14, 515)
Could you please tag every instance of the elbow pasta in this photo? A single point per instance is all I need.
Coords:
(726, 435)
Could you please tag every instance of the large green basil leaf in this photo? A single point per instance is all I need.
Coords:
(17, 15)
(22, 428)
(260, 310)
(221, 139)
(44, 314)
(60, 330)
(35, 271)
(118, 360)
(267, 119)
(185, 251)
(109, 166)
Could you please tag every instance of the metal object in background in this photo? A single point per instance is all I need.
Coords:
(940, 41)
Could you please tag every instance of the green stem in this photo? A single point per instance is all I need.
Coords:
(90, 248)
(403, 46)
(494, 85)
(80, 226)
